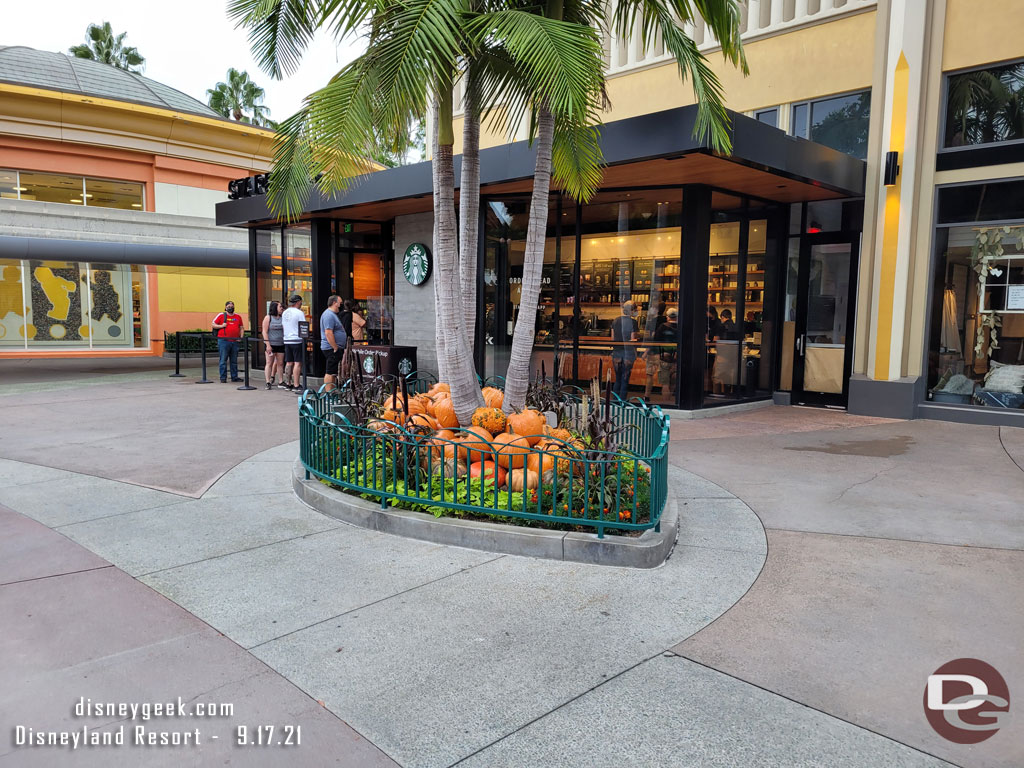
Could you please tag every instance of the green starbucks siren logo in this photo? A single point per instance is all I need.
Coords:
(416, 264)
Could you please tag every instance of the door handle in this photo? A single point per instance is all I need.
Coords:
(800, 344)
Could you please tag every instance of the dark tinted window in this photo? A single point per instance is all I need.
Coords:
(800, 120)
(981, 202)
(985, 106)
(842, 123)
(769, 116)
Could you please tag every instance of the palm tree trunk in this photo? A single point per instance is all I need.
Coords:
(457, 358)
(518, 377)
(469, 209)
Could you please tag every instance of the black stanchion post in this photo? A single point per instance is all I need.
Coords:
(246, 341)
(305, 357)
(177, 357)
(202, 345)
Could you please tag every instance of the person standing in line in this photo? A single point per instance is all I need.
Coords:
(229, 327)
(294, 345)
(354, 325)
(624, 330)
(273, 338)
(332, 340)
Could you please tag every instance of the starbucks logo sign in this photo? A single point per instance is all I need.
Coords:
(416, 264)
(368, 364)
(405, 366)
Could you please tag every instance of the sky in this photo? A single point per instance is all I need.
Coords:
(188, 44)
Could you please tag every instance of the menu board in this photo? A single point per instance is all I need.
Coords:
(643, 274)
(623, 275)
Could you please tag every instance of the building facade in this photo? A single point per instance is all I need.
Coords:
(108, 182)
(862, 247)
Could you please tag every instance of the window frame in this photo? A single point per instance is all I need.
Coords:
(809, 103)
(85, 200)
(944, 110)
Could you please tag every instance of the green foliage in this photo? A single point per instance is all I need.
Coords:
(239, 98)
(102, 45)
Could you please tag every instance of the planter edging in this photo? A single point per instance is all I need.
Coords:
(649, 550)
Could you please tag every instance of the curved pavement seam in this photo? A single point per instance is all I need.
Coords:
(1006, 451)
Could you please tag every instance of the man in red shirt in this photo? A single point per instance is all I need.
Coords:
(228, 326)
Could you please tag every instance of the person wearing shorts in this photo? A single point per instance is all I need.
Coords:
(332, 340)
(294, 346)
(273, 338)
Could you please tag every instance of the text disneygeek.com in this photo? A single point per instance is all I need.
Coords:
(116, 733)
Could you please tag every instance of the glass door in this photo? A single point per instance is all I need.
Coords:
(826, 295)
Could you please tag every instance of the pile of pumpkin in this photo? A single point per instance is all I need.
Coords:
(517, 449)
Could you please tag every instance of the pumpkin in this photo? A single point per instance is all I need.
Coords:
(422, 420)
(540, 462)
(561, 455)
(393, 403)
(528, 423)
(417, 405)
(438, 388)
(391, 415)
(520, 480)
(380, 425)
(444, 412)
(491, 419)
(453, 468)
(512, 449)
(485, 470)
(493, 396)
(558, 434)
(451, 450)
(475, 445)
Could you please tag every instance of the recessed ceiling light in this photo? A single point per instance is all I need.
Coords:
(136, 205)
(76, 199)
(21, 189)
(88, 195)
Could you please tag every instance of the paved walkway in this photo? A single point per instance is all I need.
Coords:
(435, 656)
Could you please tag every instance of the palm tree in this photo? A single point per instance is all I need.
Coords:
(572, 152)
(240, 99)
(103, 46)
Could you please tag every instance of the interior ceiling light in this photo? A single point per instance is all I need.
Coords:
(88, 195)
(76, 199)
(136, 205)
(21, 189)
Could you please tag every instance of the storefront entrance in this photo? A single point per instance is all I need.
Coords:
(826, 297)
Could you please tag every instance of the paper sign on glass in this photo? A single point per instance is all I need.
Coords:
(1015, 297)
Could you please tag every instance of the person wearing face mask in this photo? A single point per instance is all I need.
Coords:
(228, 327)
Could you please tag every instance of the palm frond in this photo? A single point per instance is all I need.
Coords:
(279, 31)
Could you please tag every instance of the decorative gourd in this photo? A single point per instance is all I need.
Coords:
(475, 445)
(491, 419)
(444, 412)
(379, 425)
(558, 434)
(528, 423)
(454, 468)
(493, 396)
(512, 449)
(520, 480)
(486, 470)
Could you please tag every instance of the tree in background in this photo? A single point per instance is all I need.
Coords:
(104, 46)
(240, 99)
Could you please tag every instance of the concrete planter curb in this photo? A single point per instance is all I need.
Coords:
(648, 550)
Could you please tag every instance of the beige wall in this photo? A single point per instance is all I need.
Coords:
(818, 60)
(982, 31)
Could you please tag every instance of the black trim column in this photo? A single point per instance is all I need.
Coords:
(255, 312)
(321, 256)
(693, 296)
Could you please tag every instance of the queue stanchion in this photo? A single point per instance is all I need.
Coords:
(202, 346)
(177, 357)
(245, 386)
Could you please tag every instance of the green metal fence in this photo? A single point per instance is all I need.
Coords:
(621, 491)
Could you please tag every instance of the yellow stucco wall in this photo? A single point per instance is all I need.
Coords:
(819, 60)
(982, 31)
(189, 297)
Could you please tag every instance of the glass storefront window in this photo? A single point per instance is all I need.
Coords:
(52, 188)
(103, 193)
(984, 106)
(8, 184)
(976, 350)
(68, 304)
(269, 270)
(12, 304)
(299, 268)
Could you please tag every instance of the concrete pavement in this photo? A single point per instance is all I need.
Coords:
(440, 656)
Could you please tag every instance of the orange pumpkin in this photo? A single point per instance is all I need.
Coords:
(486, 470)
(512, 449)
(475, 445)
(540, 462)
(418, 405)
(390, 415)
(493, 396)
(491, 419)
(444, 412)
(438, 388)
(558, 434)
(451, 450)
(422, 420)
(393, 403)
(528, 423)
(520, 480)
